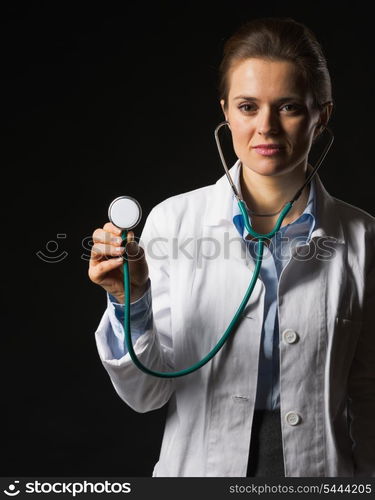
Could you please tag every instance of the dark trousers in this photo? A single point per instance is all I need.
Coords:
(266, 450)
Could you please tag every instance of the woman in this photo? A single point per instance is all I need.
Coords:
(292, 392)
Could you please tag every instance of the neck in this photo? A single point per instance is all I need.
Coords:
(268, 194)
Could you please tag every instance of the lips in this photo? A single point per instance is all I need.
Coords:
(268, 149)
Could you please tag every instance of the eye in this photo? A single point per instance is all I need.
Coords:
(247, 107)
(291, 108)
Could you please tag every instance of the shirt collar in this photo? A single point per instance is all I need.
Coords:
(304, 225)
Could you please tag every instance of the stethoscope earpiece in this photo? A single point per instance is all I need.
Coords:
(125, 212)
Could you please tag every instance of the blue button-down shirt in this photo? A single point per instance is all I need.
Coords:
(140, 321)
(275, 258)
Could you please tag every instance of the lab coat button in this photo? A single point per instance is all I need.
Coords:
(292, 418)
(290, 336)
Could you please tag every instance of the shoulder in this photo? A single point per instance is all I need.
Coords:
(188, 205)
(352, 212)
(359, 233)
(354, 219)
(178, 216)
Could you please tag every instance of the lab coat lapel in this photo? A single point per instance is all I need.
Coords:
(235, 367)
(218, 224)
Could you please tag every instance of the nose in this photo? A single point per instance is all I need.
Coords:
(268, 122)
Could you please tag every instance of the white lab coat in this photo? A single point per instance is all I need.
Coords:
(327, 362)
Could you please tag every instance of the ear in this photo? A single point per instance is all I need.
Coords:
(223, 107)
(324, 117)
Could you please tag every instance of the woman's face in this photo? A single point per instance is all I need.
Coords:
(270, 106)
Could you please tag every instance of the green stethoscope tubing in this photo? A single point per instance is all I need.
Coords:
(259, 257)
(258, 263)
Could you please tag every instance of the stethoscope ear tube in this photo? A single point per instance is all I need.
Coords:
(295, 197)
(221, 154)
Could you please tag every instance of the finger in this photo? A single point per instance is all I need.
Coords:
(99, 251)
(133, 250)
(101, 236)
(99, 271)
(131, 245)
(111, 228)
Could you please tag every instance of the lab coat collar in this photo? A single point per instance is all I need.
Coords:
(219, 208)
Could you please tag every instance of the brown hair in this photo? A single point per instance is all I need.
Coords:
(279, 39)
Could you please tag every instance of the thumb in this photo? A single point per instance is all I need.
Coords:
(133, 250)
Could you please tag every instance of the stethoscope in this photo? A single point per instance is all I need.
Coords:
(125, 213)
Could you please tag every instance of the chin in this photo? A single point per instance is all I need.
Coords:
(266, 166)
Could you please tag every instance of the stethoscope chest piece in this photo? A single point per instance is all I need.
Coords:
(125, 212)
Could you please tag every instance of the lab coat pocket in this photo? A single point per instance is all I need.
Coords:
(229, 434)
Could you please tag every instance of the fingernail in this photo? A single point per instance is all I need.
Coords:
(117, 240)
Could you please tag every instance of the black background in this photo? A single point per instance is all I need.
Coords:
(101, 100)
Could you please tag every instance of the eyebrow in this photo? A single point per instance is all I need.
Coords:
(281, 99)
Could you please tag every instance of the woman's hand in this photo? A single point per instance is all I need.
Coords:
(106, 261)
